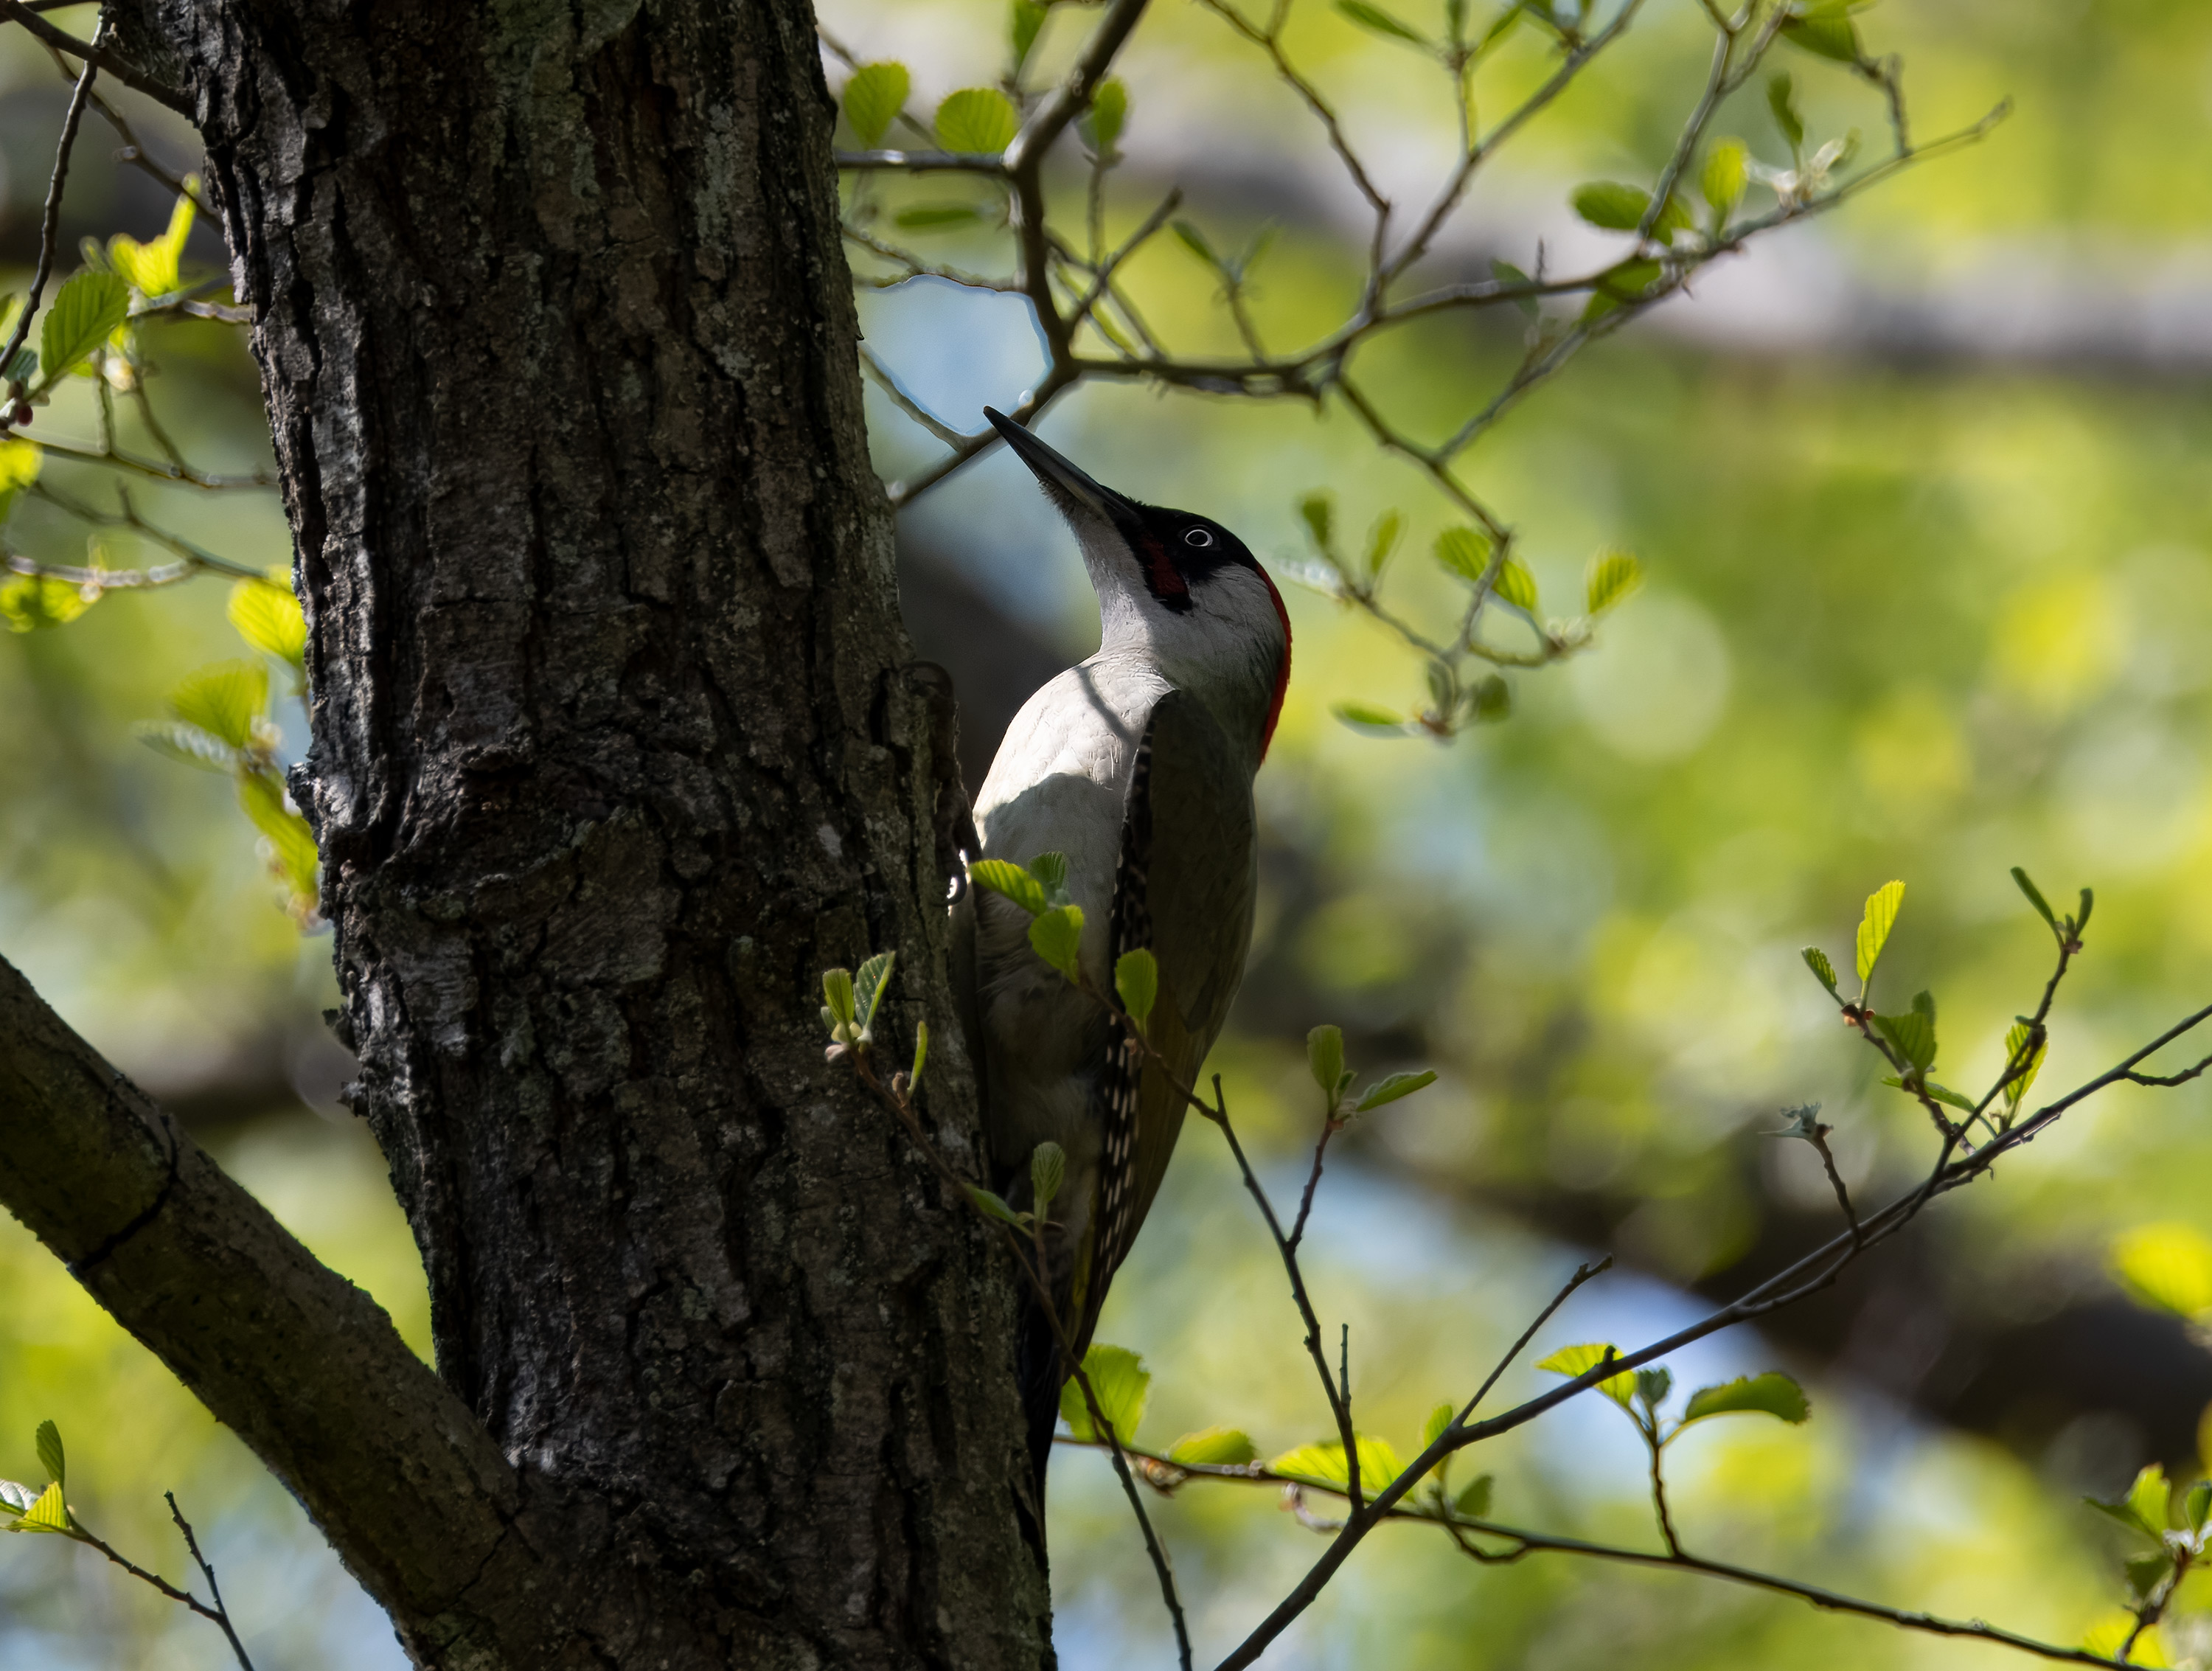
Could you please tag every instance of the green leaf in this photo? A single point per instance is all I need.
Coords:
(1382, 540)
(1465, 552)
(1610, 205)
(1912, 1034)
(1474, 1502)
(1516, 586)
(1652, 1387)
(51, 1456)
(151, 268)
(1392, 1087)
(1025, 20)
(1050, 870)
(870, 982)
(920, 1053)
(1506, 273)
(1319, 510)
(1057, 937)
(2088, 904)
(992, 1206)
(224, 700)
(837, 994)
(1823, 970)
(188, 745)
(977, 120)
(1577, 1360)
(1047, 1171)
(1120, 1383)
(1940, 1093)
(261, 792)
(1137, 983)
(1367, 713)
(1194, 241)
(2197, 1507)
(1325, 1061)
(2016, 1050)
(1835, 37)
(50, 1513)
(924, 217)
(1782, 100)
(84, 311)
(1726, 171)
(1214, 1447)
(2150, 1497)
(1773, 1394)
(1492, 699)
(30, 602)
(268, 618)
(1377, 21)
(1102, 128)
(1612, 575)
(1322, 1464)
(1873, 927)
(2034, 897)
(1439, 1419)
(2145, 1573)
(873, 97)
(1618, 286)
(15, 1497)
(2166, 1267)
(1009, 881)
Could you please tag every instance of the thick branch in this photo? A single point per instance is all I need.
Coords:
(301, 1365)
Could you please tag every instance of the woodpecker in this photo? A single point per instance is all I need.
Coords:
(1137, 765)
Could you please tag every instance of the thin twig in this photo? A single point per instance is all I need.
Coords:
(222, 1613)
(93, 54)
(50, 222)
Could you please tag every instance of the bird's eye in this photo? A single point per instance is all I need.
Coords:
(1200, 536)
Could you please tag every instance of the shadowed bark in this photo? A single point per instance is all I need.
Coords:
(617, 746)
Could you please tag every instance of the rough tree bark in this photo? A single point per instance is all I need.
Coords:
(616, 747)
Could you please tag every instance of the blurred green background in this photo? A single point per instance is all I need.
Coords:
(1920, 492)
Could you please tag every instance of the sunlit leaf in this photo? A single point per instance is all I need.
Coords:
(837, 994)
(1377, 21)
(1391, 1088)
(1010, 881)
(2107, 1637)
(2034, 896)
(51, 1457)
(1381, 541)
(152, 268)
(268, 618)
(188, 745)
(1057, 937)
(261, 792)
(1214, 1447)
(1578, 1360)
(1465, 552)
(1823, 970)
(1611, 576)
(30, 602)
(1873, 927)
(869, 981)
(1773, 1394)
(1120, 1383)
(2167, 1267)
(1137, 983)
(84, 311)
(1832, 37)
(1439, 1419)
(980, 119)
(50, 1513)
(1610, 205)
(1516, 586)
(1726, 171)
(1912, 1034)
(1940, 1093)
(224, 700)
(1323, 1463)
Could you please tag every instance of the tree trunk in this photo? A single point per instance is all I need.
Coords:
(616, 748)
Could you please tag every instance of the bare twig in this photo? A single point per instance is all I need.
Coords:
(94, 54)
(50, 222)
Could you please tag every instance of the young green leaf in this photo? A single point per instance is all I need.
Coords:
(1782, 100)
(2166, 1267)
(2017, 1051)
(932, 217)
(1823, 970)
(1009, 881)
(1121, 1385)
(1381, 541)
(1325, 1061)
(1611, 576)
(1378, 21)
(49, 1513)
(1050, 870)
(1319, 512)
(1474, 1502)
(1834, 36)
(1025, 19)
(1773, 1394)
(2150, 1497)
(1214, 1447)
(2088, 904)
(873, 97)
(1726, 171)
(1391, 1088)
(1492, 699)
(1194, 241)
(1137, 983)
(15, 1497)
(1322, 1464)
(1439, 1419)
(2034, 897)
(1873, 927)
(1048, 1171)
(224, 700)
(51, 1456)
(1368, 714)
(920, 1053)
(1057, 937)
(151, 268)
(268, 618)
(992, 1206)
(188, 745)
(1577, 1360)
(1611, 205)
(1516, 586)
(1912, 1034)
(1101, 127)
(2197, 1507)
(1506, 273)
(261, 794)
(978, 120)
(1940, 1093)
(85, 310)
(869, 981)
(1619, 285)
(1465, 552)
(1652, 1387)
(837, 994)
(30, 602)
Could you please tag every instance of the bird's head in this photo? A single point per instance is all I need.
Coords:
(1178, 586)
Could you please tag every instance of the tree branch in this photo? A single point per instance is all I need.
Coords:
(15, 11)
(301, 1365)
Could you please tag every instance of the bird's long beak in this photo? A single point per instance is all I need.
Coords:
(1070, 487)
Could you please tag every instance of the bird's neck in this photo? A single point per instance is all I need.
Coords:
(1241, 683)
